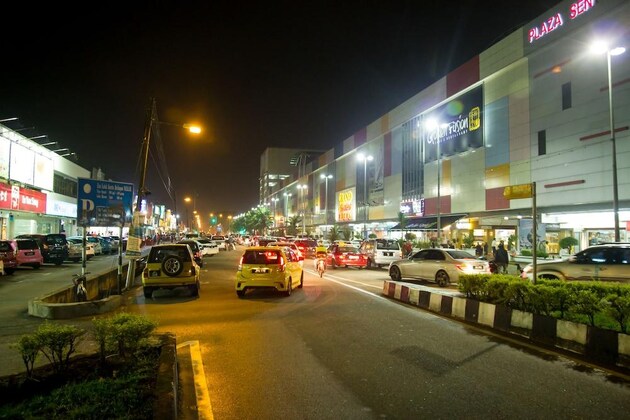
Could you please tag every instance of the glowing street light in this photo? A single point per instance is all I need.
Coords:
(326, 177)
(601, 47)
(302, 189)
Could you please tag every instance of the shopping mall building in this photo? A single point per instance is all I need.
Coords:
(534, 109)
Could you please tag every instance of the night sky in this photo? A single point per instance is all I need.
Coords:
(255, 75)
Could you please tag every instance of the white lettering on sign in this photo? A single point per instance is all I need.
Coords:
(579, 7)
(555, 21)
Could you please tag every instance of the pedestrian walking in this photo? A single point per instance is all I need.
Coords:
(501, 259)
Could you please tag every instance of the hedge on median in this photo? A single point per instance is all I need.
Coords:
(605, 305)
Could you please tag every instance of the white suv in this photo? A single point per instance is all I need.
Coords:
(604, 262)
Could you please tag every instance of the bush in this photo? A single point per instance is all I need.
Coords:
(29, 348)
(568, 243)
(58, 342)
(539, 253)
(606, 305)
(125, 333)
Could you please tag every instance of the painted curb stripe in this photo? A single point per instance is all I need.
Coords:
(204, 407)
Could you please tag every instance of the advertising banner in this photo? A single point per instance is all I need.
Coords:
(5, 152)
(103, 203)
(459, 126)
(346, 205)
(525, 237)
(12, 197)
(22, 164)
(44, 173)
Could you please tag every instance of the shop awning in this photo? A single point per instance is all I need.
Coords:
(430, 222)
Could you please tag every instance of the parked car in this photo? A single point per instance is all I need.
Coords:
(53, 246)
(269, 268)
(442, 266)
(27, 253)
(9, 259)
(77, 249)
(106, 246)
(91, 240)
(381, 252)
(115, 243)
(345, 255)
(170, 266)
(605, 262)
(210, 247)
(195, 249)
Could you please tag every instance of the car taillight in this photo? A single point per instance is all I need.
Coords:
(281, 265)
(240, 264)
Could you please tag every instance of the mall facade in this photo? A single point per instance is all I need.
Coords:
(534, 109)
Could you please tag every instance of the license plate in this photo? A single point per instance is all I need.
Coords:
(154, 274)
(388, 254)
(353, 257)
(29, 254)
(478, 267)
(260, 270)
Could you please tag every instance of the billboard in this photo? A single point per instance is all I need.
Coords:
(346, 206)
(13, 197)
(103, 203)
(459, 126)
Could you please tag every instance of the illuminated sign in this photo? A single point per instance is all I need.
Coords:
(346, 207)
(413, 208)
(555, 21)
(12, 197)
(460, 126)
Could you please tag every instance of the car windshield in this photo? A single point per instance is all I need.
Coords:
(388, 244)
(348, 249)
(460, 255)
(55, 239)
(5, 247)
(26, 244)
(261, 257)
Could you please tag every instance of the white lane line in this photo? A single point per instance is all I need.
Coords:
(330, 277)
(327, 274)
(204, 407)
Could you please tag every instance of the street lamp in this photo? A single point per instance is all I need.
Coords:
(365, 159)
(287, 196)
(302, 189)
(433, 124)
(274, 200)
(326, 177)
(601, 47)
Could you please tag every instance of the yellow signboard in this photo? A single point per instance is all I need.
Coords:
(514, 192)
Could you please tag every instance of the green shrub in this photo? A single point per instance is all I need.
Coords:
(539, 253)
(618, 308)
(29, 348)
(586, 302)
(568, 243)
(124, 332)
(58, 342)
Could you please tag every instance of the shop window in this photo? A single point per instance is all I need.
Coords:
(542, 143)
(566, 96)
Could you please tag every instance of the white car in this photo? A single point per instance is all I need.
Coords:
(77, 242)
(208, 246)
(291, 245)
(220, 240)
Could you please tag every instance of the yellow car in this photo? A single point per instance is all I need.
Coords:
(269, 268)
(170, 266)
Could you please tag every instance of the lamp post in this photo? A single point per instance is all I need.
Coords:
(326, 177)
(600, 47)
(187, 200)
(365, 159)
(435, 125)
(274, 200)
(287, 196)
(302, 189)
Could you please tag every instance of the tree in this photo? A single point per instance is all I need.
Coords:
(347, 232)
(334, 233)
(294, 224)
(568, 243)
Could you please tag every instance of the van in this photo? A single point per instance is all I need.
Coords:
(381, 252)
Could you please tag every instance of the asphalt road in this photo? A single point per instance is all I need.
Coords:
(337, 349)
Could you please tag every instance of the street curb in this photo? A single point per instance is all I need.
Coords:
(166, 387)
(605, 347)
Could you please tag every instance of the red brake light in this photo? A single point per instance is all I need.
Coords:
(281, 264)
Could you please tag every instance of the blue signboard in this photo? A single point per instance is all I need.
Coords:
(104, 203)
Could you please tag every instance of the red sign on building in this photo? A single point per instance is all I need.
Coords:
(13, 197)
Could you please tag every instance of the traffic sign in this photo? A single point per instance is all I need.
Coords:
(103, 203)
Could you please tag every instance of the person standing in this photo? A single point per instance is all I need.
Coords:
(501, 259)
(478, 250)
(494, 246)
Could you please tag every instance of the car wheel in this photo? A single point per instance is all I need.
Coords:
(148, 292)
(379, 265)
(172, 265)
(442, 279)
(289, 287)
(240, 293)
(36, 266)
(301, 281)
(58, 262)
(395, 274)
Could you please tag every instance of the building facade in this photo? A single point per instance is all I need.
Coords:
(533, 109)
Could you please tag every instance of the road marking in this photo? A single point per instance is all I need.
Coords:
(204, 407)
(332, 278)
(345, 279)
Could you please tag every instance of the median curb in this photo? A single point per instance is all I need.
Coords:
(605, 347)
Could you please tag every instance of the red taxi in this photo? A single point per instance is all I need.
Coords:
(345, 255)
